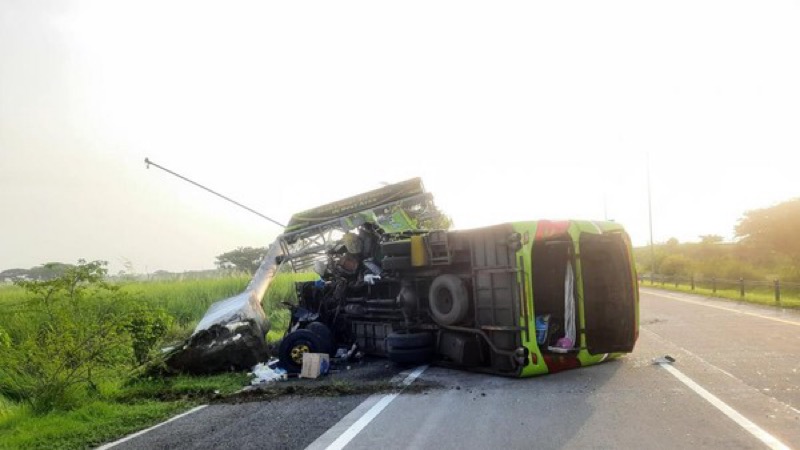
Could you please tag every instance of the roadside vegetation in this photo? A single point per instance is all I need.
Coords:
(761, 296)
(766, 249)
(75, 352)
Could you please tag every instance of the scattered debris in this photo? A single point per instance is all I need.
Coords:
(263, 373)
(315, 365)
(666, 359)
(234, 345)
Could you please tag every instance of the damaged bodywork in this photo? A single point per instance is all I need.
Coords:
(516, 299)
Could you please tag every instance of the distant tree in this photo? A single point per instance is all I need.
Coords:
(50, 271)
(673, 242)
(676, 265)
(245, 259)
(773, 229)
(710, 238)
(14, 274)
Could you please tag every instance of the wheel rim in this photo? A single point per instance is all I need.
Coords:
(444, 301)
(297, 353)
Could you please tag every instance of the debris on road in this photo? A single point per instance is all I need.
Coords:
(315, 365)
(666, 359)
(263, 373)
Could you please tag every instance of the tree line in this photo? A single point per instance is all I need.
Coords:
(766, 246)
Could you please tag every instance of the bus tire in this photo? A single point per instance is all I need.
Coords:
(410, 355)
(290, 353)
(448, 299)
(409, 340)
(322, 330)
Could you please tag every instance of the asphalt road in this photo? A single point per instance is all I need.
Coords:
(735, 384)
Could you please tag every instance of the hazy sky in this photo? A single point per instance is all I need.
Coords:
(508, 110)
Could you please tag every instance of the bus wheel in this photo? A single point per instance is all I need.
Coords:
(410, 355)
(322, 330)
(295, 345)
(407, 339)
(448, 299)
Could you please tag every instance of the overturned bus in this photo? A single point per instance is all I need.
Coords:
(515, 299)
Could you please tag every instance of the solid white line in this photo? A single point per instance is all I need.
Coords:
(768, 439)
(690, 353)
(139, 433)
(695, 302)
(373, 412)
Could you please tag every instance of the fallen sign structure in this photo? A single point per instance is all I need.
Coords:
(516, 299)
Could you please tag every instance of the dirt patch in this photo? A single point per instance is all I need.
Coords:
(367, 377)
(334, 389)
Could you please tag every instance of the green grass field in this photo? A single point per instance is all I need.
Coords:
(123, 406)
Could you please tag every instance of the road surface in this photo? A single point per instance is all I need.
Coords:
(735, 383)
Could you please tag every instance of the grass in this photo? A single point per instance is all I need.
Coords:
(183, 387)
(186, 300)
(129, 405)
(12, 298)
(761, 297)
(135, 405)
(89, 425)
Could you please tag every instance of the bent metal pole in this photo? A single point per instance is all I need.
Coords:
(151, 163)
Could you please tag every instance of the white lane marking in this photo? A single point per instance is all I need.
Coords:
(694, 302)
(139, 433)
(768, 439)
(373, 412)
(692, 354)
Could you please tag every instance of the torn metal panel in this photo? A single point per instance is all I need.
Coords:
(232, 333)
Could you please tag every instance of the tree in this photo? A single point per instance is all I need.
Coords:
(674, 265)
(75, 331)
(710, 238)
(245, 259)
(773, 229)
(43, 272)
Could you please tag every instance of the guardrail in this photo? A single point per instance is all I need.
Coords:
(776, 288)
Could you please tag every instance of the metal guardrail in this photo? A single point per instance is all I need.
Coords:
(776, 287)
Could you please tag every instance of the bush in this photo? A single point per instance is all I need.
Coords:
(5, 339)
(76, 331)
(148, 326)
(676, 265)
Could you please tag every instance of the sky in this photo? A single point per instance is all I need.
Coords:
(507, 110)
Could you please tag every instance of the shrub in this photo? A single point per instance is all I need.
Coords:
(147, 327)
(5, 339)
(78, 330)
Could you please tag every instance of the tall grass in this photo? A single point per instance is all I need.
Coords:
(188, 300)
(185, 300)
(119, 407)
